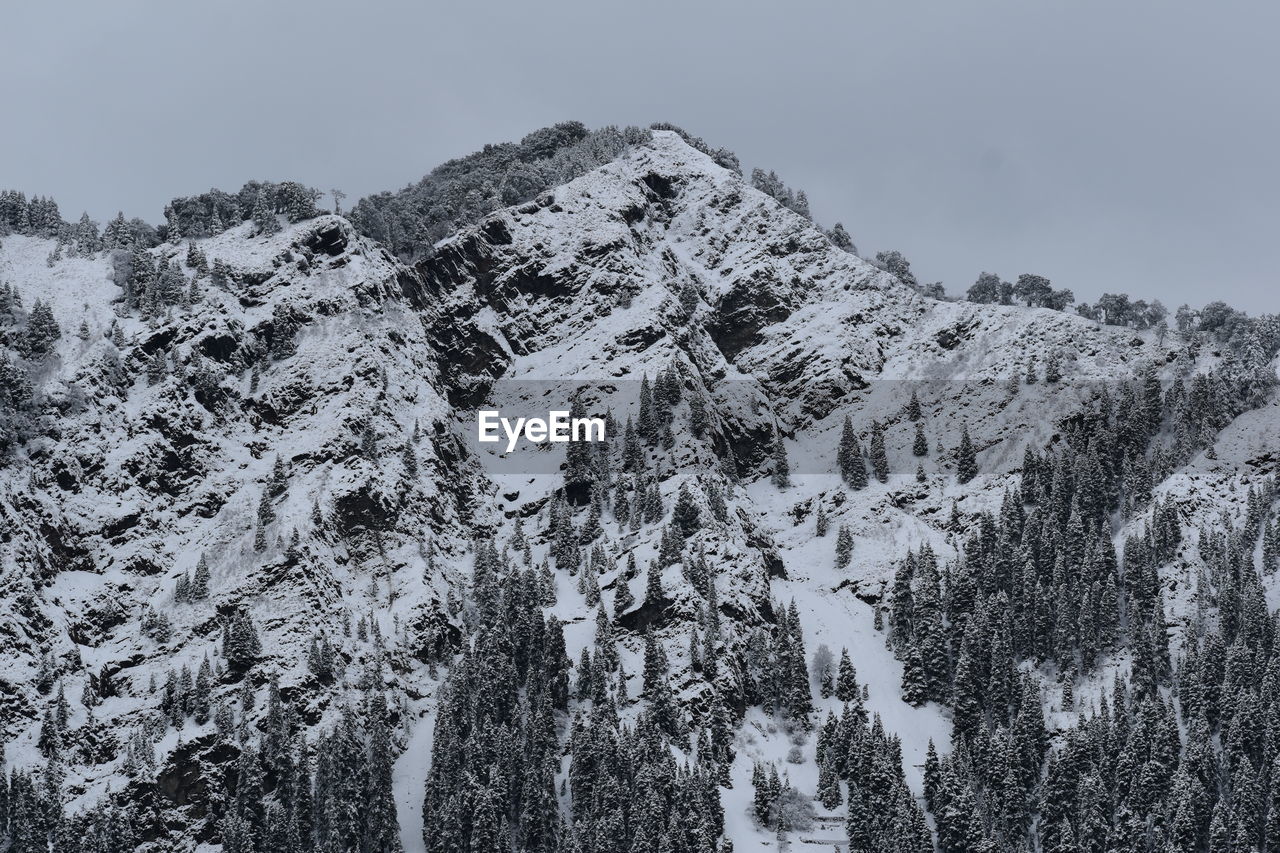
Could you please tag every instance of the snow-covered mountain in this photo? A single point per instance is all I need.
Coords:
(298, 426)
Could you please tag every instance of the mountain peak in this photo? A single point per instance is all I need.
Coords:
(246, 494)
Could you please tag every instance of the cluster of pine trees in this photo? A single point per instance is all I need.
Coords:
(153, 283)
(1117, 309)
(1180, 757)
(1183, 758)
(25, 336)
(852, 460)
(881, 813)
(1030, 290)
(510, 709)
(40, 217)
(276, 793)
(213, 212)
(188, 218)
(287, 795)
(462, 191)
(514, 707)
(28, 334)
(770, 184)
(859, 766)
(37, 217)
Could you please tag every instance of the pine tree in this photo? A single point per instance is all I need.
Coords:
(670, 550)
(841, 240)
(844, 547)
(822, 671)
(781, 467)
(182, 591)
(266, 512)
(879, 459)
(240, 644)
(264, 215)
(647, 422)
(920, 447)
(966, 698)
(966, 461)
(762, 797)
(822, 522)
(653, 584)
(914, 411)
(279, 482)
(157, 368)
(686, 516)
(858, 822)
(716, 502)
(829, 782)
(849, 458)
(381, 830)
(847, 679)
(1053, 367)
(653, 508)
(42, 330)
(913, 678)
(622, 600)
(201, 690)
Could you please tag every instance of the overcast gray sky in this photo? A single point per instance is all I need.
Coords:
(1110, 146)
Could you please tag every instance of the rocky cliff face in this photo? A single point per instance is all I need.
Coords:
(311, 356)
(321, 356)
